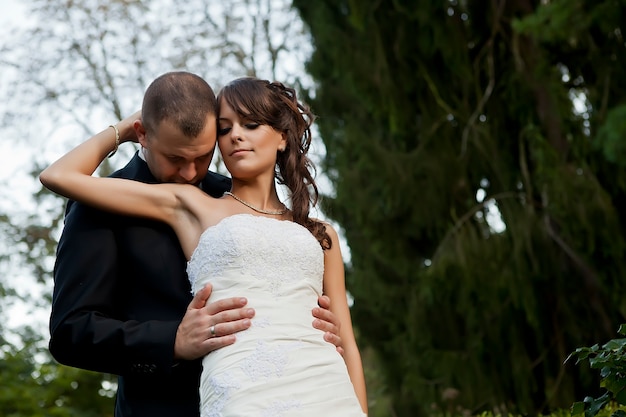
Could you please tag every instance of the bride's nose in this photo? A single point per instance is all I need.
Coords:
(236, 133)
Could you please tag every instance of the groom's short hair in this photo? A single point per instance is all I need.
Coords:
(180, 97)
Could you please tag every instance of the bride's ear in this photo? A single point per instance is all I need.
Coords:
(283, 143)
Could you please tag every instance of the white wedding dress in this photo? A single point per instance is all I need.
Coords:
(281, 366)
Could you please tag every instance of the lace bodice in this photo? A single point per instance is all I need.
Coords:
(278, 252)
(280, 366)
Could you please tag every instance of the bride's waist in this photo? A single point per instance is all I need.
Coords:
(291, 306)
(279, 323)
(274, 342)
(263, 287)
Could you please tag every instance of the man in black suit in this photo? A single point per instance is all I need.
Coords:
(122, 302)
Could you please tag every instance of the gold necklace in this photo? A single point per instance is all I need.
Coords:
(245, 203)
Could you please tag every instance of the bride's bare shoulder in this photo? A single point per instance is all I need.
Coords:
(208, 210)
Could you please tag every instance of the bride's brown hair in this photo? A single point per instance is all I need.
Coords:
(275, 105)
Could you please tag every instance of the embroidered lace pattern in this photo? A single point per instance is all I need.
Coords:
(277, 251)
(267, 362)
(222, 386)
(278, 408)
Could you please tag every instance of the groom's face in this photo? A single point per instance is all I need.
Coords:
(175, 158)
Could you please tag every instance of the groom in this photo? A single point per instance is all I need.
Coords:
(122, 302)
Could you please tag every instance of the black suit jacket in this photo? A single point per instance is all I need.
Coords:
(120, 292)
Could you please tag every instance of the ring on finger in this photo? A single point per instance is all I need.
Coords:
(212, 330)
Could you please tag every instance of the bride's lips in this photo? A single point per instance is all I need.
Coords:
(239, 152)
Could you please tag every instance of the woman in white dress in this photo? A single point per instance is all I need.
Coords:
(247, 242)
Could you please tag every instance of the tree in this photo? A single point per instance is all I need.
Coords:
(476, 151)
(34, 386)
(71, 69)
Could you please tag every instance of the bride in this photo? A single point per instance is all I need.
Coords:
(247, 242)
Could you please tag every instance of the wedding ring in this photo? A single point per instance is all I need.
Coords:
(212, 330)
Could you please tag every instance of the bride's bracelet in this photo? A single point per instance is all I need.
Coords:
(117, 140)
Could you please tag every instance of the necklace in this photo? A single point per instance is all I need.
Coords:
(245, 203)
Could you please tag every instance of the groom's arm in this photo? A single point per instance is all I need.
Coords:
(82, 322)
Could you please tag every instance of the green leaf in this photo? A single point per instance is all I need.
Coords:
(578, 408)
(620, 395)
(615, 344)
(616, 384)
(596, 404)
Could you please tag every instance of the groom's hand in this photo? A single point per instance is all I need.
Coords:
(207, 327)
(326, 321)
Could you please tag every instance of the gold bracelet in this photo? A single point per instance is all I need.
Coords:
(117, 140)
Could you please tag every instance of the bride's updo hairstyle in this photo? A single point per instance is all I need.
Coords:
(275, 105)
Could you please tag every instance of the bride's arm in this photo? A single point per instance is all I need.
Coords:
(335, 288)
(71, 177)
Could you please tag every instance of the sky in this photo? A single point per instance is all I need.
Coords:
(11, 13)
(14, 164)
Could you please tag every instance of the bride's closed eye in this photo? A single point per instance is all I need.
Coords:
(250, 126)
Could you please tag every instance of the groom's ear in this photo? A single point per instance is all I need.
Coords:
(140, 131)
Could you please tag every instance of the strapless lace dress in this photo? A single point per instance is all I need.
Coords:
(281, 366)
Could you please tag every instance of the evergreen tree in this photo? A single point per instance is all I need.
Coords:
(477, 151)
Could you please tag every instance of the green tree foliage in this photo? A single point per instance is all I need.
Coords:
(610, 359)
(476, 149)
(33, 386)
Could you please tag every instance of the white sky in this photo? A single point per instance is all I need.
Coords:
(11, 13)
(14, 165)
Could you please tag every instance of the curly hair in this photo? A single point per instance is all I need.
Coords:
(275, 105)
